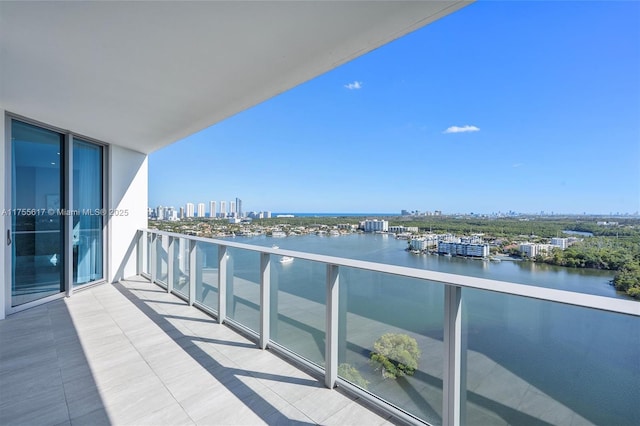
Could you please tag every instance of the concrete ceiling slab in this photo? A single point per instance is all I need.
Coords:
(144, 74)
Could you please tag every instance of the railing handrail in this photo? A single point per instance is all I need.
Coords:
(610, 304)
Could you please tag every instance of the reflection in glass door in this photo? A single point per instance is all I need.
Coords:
(37, 194)
(88, 212)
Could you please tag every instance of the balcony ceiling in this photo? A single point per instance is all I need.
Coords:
(146, 74)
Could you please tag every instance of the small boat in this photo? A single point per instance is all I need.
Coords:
(286, 259)
(275, 247)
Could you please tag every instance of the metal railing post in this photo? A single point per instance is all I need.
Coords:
(193, 276)
(140, 251)
(154, 257)
(452, 398)
(170, 266)
(331, 348)
(265, 302)
(222, 283)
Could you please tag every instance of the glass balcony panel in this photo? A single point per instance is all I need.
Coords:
(243, 287)
(207, 275)
(537, 362)
(181, 266)
(161, 259)
(374, 304)
(298, 306)
(147, 259)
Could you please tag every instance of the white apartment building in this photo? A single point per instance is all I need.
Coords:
(562, 243)
(200, 209)
(375, 225)
(463, 249)
(212, 209)
(399, 229)
(418, 244)
(223, 209)
(190, 210)
(532, 250)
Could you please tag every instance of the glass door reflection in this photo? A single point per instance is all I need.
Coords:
(37, 234)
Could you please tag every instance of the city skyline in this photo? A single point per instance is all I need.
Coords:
(522, 106)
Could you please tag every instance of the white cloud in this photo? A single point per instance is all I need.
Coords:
(516, 165)
(354, 86)
(463, 129)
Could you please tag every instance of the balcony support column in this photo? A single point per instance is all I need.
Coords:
(222, 283)
(193, 271)
(140, 251)
(153, 249)
(265, 302)
(332, 317)
(170, 266)
(454, 375)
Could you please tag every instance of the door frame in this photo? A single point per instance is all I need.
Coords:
(7, 261)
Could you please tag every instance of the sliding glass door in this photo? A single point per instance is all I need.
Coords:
(38, 230)
(57, 212)
(88, 212)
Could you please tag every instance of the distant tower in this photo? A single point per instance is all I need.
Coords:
(190, 209)
(239, 206)
(232, 209)
(223, 209)
(212, 209)
(181, 212)
(200, 209)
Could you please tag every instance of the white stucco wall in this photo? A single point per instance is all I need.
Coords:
(128, 195)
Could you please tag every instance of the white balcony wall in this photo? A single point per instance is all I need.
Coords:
(128, 196)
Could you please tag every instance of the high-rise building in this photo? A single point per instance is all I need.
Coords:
(239, 206)
(232, 209)
(190, 209)
(223, 209)
(181, 212)
(200, 209)
(212, 209)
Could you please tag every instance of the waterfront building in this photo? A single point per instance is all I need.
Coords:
(266, 214)
(448, 238)
(212, 209)
(190, 210)
(181, 213)
(399, 229)
(232, 209)
(200, 209)
(375, 225)
(418, 244)
(531, 250)
(223, 209)
(464, 249)
(473, 239)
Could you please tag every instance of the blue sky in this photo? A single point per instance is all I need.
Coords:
(523, 106)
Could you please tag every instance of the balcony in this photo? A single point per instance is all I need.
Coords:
(217, 332)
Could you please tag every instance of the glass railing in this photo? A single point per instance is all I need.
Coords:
(424, 346)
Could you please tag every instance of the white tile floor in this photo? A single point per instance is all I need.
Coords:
(131, 354)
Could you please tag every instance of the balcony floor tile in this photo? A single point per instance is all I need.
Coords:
(130, 353)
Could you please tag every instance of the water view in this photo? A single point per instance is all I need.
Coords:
(527, 361)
